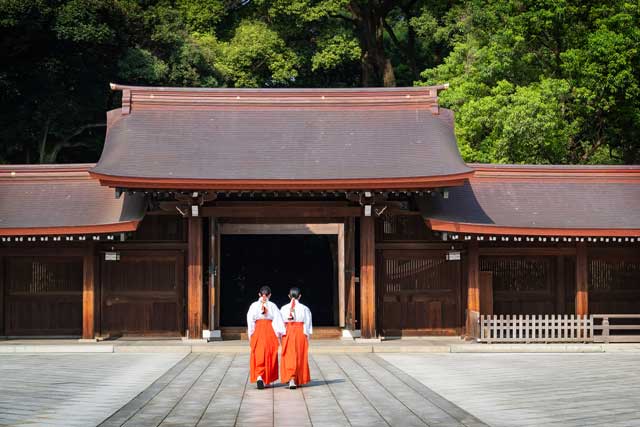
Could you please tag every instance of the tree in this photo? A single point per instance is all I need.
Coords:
(544, 81)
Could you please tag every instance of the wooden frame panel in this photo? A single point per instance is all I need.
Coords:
(420, 293)
(337, 229)
(142, 325)
(53, 312)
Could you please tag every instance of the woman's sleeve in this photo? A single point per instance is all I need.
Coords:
(308, 324)
(251, 322)
(278, 323)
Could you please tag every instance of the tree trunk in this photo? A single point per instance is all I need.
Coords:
(377, 69)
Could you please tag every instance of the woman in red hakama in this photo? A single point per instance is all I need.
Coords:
(294, 364)
(265, 327)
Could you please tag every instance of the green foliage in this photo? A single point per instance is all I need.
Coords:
(257, 56)
(544, 82)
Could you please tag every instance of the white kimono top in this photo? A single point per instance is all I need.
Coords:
(301, 314)
(273, 314)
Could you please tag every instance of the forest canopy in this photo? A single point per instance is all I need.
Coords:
(546, 81)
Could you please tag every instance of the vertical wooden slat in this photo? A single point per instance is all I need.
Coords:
(582, 285)
(560, 286)
(367, 277)
(194, 278)
(473, 281)
(88, 293)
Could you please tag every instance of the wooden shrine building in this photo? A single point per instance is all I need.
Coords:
(358, 196)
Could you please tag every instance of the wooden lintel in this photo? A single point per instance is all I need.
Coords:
(582, 279)
(314, 229)
(276, 211)
(106, 246)
(367, 277)
(539, 251)
(194, 279)
(43, 251)
(88, 293)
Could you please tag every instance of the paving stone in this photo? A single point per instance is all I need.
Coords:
(533, 389)
(73, 389)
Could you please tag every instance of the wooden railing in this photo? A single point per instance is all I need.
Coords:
(621, 323)
(535, 328)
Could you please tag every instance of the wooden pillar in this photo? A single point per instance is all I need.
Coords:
(2, 333)
(582, 279)
(350, 273)
(194, 279)
(473, 286)
(88, 294)
(367, 277)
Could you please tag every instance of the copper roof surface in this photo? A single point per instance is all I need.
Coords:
(316, 138)
(62, 199)
(541, 200)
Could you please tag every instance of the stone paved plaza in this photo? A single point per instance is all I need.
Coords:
(393, 389)
(535, 389)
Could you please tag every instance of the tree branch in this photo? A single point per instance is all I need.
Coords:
(43, 142)
(81, 129)
(392, 34)
(343, 17)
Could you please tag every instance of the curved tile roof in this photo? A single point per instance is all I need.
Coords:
(281, 139)
(541, 200)
(62, 199)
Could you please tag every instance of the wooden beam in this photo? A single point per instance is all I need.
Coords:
(350, 273)
(367, 277)
(276, 211)
(194, 279)
(43, 252)
(536, 251)
(582, 279)
(280, 228)
(88, 293)
(473, 284)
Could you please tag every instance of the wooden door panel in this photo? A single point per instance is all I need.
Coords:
(420, 293)
(43, 295)
(143, 293)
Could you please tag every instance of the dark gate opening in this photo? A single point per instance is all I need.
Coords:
(279, 261)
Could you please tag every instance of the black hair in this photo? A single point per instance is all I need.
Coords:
(265, 290)
(294, 292)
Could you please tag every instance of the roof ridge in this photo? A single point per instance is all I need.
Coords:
(150, 97)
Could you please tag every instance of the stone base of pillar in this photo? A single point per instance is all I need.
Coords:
(350, 334)
(212, 335)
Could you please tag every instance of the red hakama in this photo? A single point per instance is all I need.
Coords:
(264, 353)
(295, 347)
